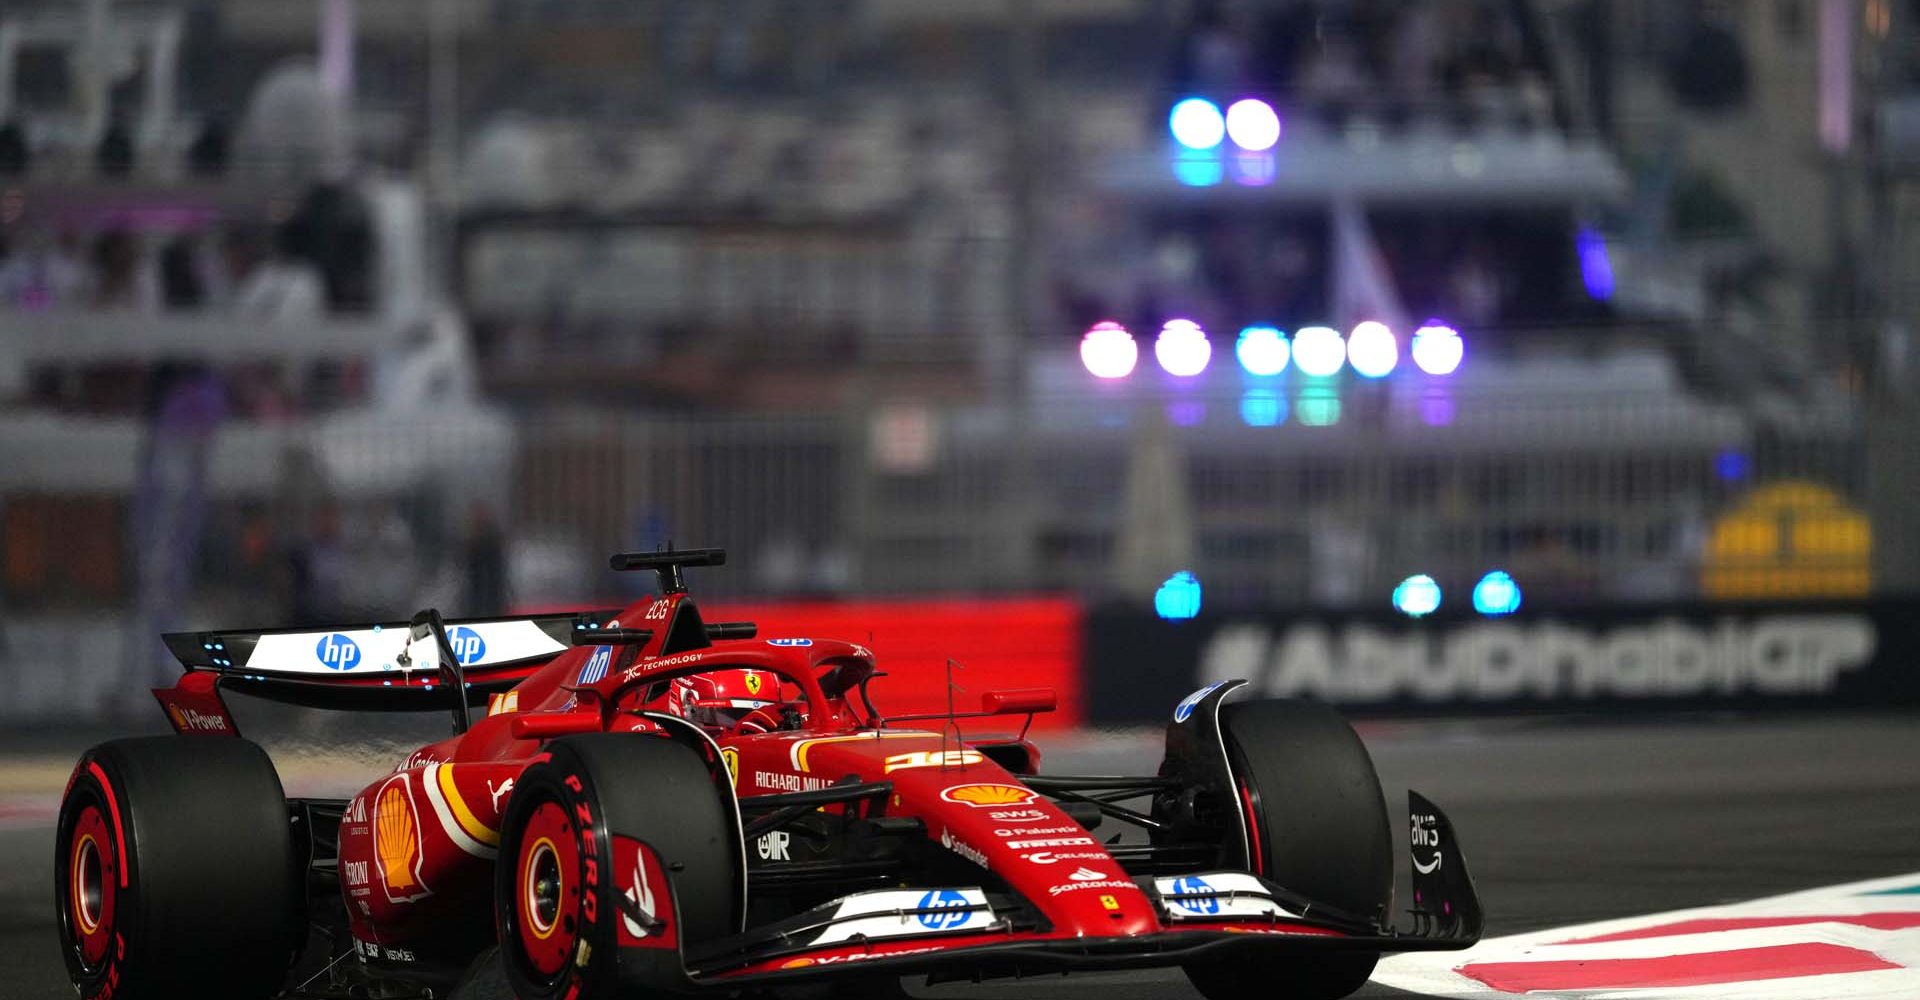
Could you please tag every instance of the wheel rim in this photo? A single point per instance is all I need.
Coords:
(547, 891)
(90, 886)
(542, 889)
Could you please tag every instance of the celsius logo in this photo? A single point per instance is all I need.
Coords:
(467, 645)
(946, 907)
(337, 652)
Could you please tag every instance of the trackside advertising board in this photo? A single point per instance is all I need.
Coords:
(1858, 655)
(997, 644)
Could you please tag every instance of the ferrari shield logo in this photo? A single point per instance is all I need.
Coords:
(753, 683)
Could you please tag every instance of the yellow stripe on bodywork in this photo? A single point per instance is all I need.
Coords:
(801, 748)
(464, 816)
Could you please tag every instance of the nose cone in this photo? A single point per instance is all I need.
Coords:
(985, 815)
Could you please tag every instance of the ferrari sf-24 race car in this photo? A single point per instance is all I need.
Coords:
(654, 804)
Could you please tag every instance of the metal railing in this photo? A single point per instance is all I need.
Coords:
(1581, 500)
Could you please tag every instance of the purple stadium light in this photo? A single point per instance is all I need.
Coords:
(1108, 351)
(1438, 349)
(1372, 351)
(1596, 267)
(1183, 349)
(1253, 125)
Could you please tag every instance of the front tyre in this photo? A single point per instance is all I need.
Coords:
(174, 871)
(1319, 824)
(616, 851)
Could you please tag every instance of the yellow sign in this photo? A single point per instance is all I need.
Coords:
(731, 758)
(1786, 540)
(1109, 902)
(753, 683)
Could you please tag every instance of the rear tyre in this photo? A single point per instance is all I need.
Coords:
(561, 895)
(175, 872)
(1320, 828)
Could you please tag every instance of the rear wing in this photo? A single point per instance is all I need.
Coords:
(382, 666)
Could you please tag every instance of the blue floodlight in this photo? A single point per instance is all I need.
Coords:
(1179, 597)
(1197, 123)
(1496, 594)
(1417, 596)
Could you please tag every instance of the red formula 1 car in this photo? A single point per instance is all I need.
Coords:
(654, 804)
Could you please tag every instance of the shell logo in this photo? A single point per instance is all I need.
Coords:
(397, 843)
(179, 718)
(798, 963)
(982, 796)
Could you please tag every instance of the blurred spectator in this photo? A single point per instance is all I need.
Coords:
(276, 286)
(114, 158)
(1333, 74)
(43, 275)
(485, 592)
(207, 156)
(316, 570)
(1473, 287)
(1214, 56)
(120, 278)
(14, 156)
(182, 285)
(333, 231)
(1416, 44)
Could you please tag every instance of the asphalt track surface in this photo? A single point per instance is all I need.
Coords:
(1562, 821)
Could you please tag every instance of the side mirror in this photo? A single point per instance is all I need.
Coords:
(1020, 701)
(546, 725)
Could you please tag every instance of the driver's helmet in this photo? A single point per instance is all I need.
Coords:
(722, 698)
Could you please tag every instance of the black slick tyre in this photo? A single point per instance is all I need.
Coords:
(175, 871)
(560, 892)
(1319, 828)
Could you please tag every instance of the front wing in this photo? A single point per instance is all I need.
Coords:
(968, 933)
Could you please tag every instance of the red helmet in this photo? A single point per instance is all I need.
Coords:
(723, 697)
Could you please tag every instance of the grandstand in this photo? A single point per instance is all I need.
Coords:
(379, 305)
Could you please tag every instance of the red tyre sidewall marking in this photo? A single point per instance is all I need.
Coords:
(548, 947)
(113, 807)
(90, 860)
(1253, 828)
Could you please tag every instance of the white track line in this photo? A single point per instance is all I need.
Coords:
(1558, 963)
